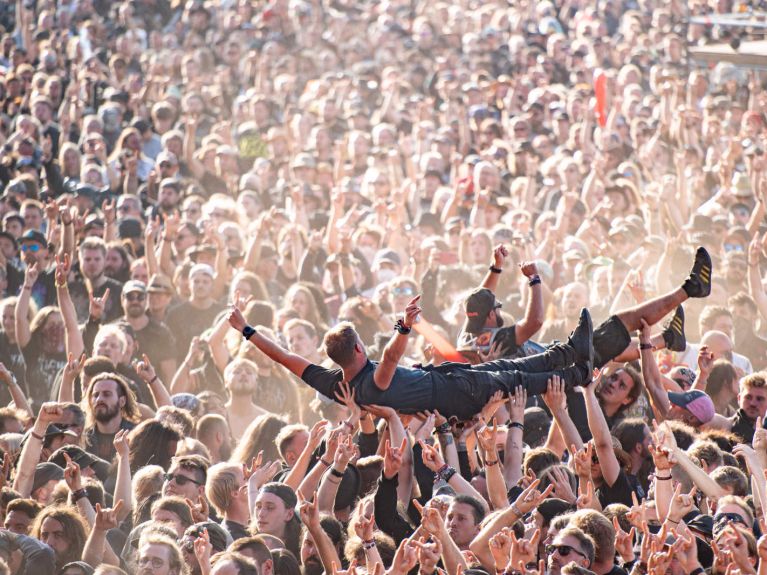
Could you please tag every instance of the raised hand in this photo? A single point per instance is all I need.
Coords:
(203, 550)
(624, 542)
(561, 481)
(72, 474)
(524, 551)
(530, 498)
(364, 526)
(555, 397)
(405, 558)
(493, 404)
(145, 370)
(582, 460)
(432, 457)
(110, 213)
(30, 275)
(393, 457)
(429, 553)
(317, 433)
(257, 474)
(97, 305)
(426, 428)
(500, 253)
(686, 551)
(587, 500)
(200, 510)
(344, 453)
(500, 548)
(121, 443)
(528, 269)
(106, 519)
(346, 396)
(309, 511)
(486, 438)
(50, 412)
(236, 319)
(412, 311)
(705, 360)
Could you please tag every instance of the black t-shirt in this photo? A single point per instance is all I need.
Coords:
(186, 321)
(101, 444)
(618, 492)
(236, 530)
(743, 426)
(157, 341)
(12, 358)
(42, 369)
(80, 299)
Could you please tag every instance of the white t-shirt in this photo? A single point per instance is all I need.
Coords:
(689, 357)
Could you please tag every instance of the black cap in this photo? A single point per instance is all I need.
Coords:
(33, 236)
(129, 228)
(82, 458)
(479, 304)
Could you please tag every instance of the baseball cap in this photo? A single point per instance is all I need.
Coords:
(479, 304)
(82, 458)
(386, 256)
(696, 402)
(129, 228)
(133, 286)
(45, 472)
(166, 156)
(201, 269)
(159, 283)
(33, 236)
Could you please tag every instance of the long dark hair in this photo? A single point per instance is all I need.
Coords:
(149, 444)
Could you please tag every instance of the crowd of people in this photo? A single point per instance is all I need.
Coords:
(304, 287)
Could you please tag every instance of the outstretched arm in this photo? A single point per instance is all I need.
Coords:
(395, 349)
(601, 432)
(294, 363)
(534, 313)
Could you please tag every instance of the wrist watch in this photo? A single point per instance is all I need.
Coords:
(248, 332)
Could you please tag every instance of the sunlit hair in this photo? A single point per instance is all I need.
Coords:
(74, 527)
(130, 410)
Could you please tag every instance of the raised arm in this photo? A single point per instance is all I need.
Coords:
(601, 433)
(17, 394)
(30, 454)
(556, 400)
(331, 481)
(494, 273)
(310, 517)
(534, 313)
(651, 375)
(156, 387)
(294, 363)
(23, 333)
(496, 486)
(395, 349)
(297, 473)
(755, 287)
(74, 340)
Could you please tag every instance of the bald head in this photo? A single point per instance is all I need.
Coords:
(718, 343)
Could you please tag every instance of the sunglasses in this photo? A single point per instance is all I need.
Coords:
(135, 296)
(180, 480)
(563, 550)
(403, 291)
(34, 248)
(721, 520)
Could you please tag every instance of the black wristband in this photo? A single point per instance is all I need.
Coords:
(495, 270)
(79, 494)
(401, 327)
(335, 473)
(516, 424)
(248, 332)
(534, 281)
(697, 571)
(646, 346)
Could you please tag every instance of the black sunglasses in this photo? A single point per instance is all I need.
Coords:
(721, 520)
(563, 550)
(180, 480)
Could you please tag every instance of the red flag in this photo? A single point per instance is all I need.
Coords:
(600, 90)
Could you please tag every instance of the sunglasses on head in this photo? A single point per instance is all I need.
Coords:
(180, 480)
(564, 550)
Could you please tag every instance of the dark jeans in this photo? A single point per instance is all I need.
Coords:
(462, 390)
